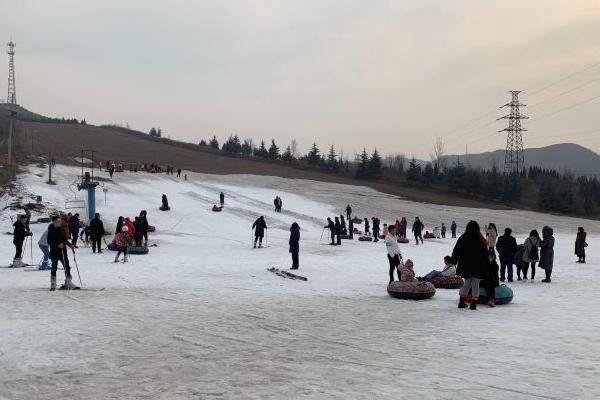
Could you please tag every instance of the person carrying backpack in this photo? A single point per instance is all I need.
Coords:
(531, 254)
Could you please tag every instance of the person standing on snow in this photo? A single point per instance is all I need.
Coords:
(367, 230)
(531, 254)
(331, 227)
(222, 198)
(580, 245)
(139, 231)
(351, 228)
(43, 244)
(74, 226)
(20, 232)
(58, 243)
(145, 225)
(453, 229)
(349, 212)
(393, 251)
(491, 234)
(443, 231)
(547, 252)
(96, 233)
(470, 254)
(294, 243)
(343, 223)
(417, 229)
(507, 247)
(119, 225)
(403, 227)
(375, 229)
(259, 227)
(123, 241)
(338, 231)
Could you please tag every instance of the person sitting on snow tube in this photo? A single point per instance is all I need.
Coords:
(165, 203)
(428, 235)
(407, 272)
(449, 270)
(491, 281)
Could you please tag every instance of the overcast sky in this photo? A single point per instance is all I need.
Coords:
(388, 74)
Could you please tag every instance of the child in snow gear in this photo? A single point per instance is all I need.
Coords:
(580, 245)
(96, 233)
(393, 251)
(531, 254)
(417, 230)
(453, 229)
(331, 227)
(19, 234)
(470, 254)
(123, 241)
(294, 243)
(43, 244)
(519, 263)
(366, 226)
(222, 198)
(338, 231)
(74, 226)
(407, 272)
(375, 229)
(547, 252)
(58, 242)
(259, 227)
(165, 203)
(507, 247)
(349, 212)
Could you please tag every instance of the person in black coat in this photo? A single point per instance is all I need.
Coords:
(96, 233)
(165, 203)
(367, 230)
(119, 228)
(349, 212)
(58, 243)
(343, 223)
(144, 218)
(259, 227)
(417, 229)
(222, 198)
(470, 254)
(507, 247)
(491, 282)
(331, 227)
(294, 243)
(338, 231)
(20, 232)
(351, 228)
(139, 231)
(74, 226)
(375, 229)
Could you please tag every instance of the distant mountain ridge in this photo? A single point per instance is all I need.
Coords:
(563, 157)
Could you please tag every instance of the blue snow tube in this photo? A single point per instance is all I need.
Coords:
(504, 295)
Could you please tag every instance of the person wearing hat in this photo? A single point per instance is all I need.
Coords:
(19, 234)
(123, 241)
(407, 272)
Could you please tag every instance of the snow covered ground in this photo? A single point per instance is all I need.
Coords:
(199, 317)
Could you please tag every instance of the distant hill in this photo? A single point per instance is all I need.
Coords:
(561, 157)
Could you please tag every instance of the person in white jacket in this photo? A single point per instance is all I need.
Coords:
(449, 270)
(43, 244)
(393, 251)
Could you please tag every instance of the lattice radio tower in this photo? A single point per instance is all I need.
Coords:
(12, 88)
(513, 156)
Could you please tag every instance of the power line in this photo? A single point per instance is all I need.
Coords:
(567, 108)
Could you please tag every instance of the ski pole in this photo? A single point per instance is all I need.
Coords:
(77, 267)
(266, 238)
(322, 232)
(31, 248)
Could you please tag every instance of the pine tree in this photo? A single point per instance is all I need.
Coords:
(456, 176)
(493, 184)
(313, 157)
(362, 170)
(428, 175)
(332, 163)
(274, 151)
(546, 196)
(287, 155)
(246, 148)
(152, 132)
(374, 168)
(261, 151)
(473, 181)
(214, 143)
(202, 143)
(413, 173)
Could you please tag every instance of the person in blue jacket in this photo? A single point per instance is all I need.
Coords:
(294, 244)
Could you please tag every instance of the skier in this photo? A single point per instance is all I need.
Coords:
(375, 229)
(471, 257)
(144, 218)
(96, 233)
(331, 227)
(222, 198)
(417, 229)
(338, 231)
(547, 252)
(43, 245)
(507, 247)
(165, 203)
(443, 231)
(58, 243)
(259, 227)
(74, 226)
(123, 240)
(393, 251)
(349, 212)
(119, 226)
(294, 243)
(580, 245)
(453, 229)
(403, 226)
(19, 234)
(139, 231)
(367, 231)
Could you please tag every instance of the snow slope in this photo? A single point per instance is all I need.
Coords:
(200, 317)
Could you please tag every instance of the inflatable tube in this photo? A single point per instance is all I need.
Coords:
(43, 220)
(429, 236)
(345, 237)
(365, 239)
(403, 240)
(447, 282)
(504, 295)
(357, 221)
(137, 250)
(411, 290)
(217, 209)
(112, 247)
(151, 228)
(381, 236)
(164, 209)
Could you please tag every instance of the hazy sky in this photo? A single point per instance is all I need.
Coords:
(388, 74)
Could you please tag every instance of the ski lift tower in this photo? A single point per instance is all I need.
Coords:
(89, 184)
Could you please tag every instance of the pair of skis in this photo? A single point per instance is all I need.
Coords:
(286, 274)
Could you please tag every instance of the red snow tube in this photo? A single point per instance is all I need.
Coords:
(403, 240)
(411, 290)
(130, 226)
(447, 282)
(365, 239)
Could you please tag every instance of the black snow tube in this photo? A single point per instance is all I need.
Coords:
(411, 290)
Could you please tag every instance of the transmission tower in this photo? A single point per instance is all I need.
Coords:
(12, 89)
(513, 156)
